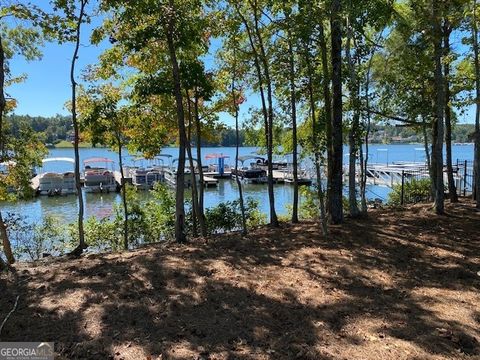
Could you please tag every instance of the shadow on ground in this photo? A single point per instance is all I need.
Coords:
(400, 285)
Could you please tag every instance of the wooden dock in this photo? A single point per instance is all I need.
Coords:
(217, 175)
(286, 176)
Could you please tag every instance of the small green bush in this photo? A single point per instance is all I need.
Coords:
(33, 241)
(415, 190)
(227, 216)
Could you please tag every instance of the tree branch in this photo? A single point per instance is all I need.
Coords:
(393, 117)
(9, 314)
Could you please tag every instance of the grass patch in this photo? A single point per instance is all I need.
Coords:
(64, 144)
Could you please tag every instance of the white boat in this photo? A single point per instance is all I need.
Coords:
(98, 178)
(57, 183)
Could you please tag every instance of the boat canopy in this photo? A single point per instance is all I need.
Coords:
(65, 159)
(164, 155)
(216, 156)
(98, 159)
(186, 160)
(250, 157)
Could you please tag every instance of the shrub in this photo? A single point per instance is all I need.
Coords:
(35, 240)
(227, 216)
(415, 190)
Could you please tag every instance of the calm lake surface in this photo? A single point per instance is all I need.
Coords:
(100, 205)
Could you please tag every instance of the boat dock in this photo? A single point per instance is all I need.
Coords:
(393, 174)
(286, 176)
(217, 175)
(118, 178)
(210, 181)
(35, 183)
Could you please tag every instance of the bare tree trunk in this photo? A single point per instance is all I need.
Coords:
(200, 211)
(364, 161)
(266, 116)
(180, 235)
(192, 170)
(428, 157)
(327, 99)
(268, 82)
(452, 189)
(81, 236)
(336, 179)
(7, 247)
(3, 102)
(316, 150)
(437, 154)
(476, 161)
(237, 144)
(354, 129)
(124, 195)
(293, 105)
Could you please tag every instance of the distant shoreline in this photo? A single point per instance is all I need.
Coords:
(84, 145)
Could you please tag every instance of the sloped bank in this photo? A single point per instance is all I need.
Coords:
(400, 285)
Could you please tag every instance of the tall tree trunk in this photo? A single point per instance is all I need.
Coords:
(192, 170)
(124, 195)
(427, 155)
(180, 235)
(452, 189)
(327, 99)
(200, 211)
(316, 147)
(354, 130)
(265, 112)
(237, 145)
(476, 161)
(81, 235)
(7, 247)
(437, 154)
(336, 174)
(293, 106)
(268, 83)
(364, 162)
(3, 102)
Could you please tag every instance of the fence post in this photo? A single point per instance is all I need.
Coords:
(465, 179)
(402, 200)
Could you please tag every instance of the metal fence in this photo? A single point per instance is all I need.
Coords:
(415, 183)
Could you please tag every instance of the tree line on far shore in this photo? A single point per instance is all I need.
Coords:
(58, 129)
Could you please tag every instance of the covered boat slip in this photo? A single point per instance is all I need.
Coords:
(55, 183)
(145, 173)
(256, 172)
(99, 175)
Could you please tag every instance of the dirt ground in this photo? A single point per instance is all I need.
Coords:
(400, 285)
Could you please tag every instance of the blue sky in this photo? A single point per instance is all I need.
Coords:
(47, 87)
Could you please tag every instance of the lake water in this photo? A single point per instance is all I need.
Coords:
(100, 205)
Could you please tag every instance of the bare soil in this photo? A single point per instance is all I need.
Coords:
(402, 284)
